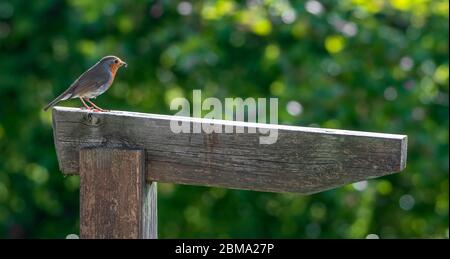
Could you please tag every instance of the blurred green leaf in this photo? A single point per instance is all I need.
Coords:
(378, 66)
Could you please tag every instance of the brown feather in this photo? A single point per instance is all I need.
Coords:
(90, 80)
(87, 82)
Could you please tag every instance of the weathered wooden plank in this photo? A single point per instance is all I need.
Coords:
(304, 160)
(114, 199)
(150, 212)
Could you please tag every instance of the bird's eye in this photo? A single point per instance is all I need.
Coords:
(116, 61)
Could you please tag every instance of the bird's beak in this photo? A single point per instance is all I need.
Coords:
(124, 64)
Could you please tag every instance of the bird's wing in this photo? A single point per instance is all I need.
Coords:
(88, 81)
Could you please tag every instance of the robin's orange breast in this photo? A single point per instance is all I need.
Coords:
(113, 68)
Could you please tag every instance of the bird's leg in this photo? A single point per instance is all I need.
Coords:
(85, 105)
(98, 108)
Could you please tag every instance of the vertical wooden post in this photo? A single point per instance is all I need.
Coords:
(150, 212)
(115, 200)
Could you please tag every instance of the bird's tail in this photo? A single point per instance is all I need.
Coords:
(63, 96)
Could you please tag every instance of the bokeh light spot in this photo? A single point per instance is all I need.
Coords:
(372, 236)
(360, 186)
(272, 52)
(406, 63)
(418, 113)
(294, 108)
(288, 16)
(72, 236)
(334, 43)
(314, 7)
(277, 88)
(390, 93)
(172, 93)
(86, 47)
(384, 187)
(36, 173)
(406, 202)
(262, 27)
(441, 74)
(184, 8)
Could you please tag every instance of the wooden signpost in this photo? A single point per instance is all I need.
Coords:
(121, 155)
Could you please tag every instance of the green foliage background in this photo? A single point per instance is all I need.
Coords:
(377, 66)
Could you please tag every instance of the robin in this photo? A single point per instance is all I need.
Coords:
(92, 83)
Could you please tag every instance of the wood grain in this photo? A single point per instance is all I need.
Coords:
(114, 199)
(304, 160)
(150, 212)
